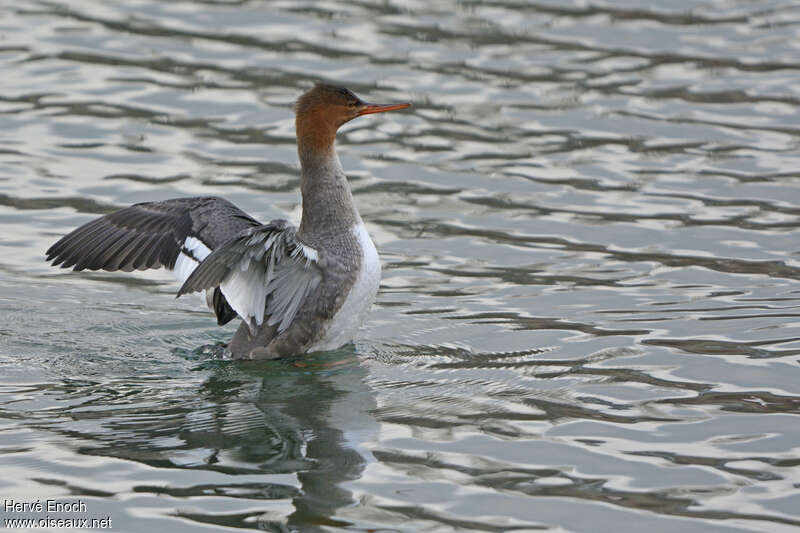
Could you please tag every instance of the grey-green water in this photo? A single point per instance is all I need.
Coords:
(589, 313)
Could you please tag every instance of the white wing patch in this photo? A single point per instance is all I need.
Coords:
(191, 255)
(265, 274)
(273, 279)
(246, 289)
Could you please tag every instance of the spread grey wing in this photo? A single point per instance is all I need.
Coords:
(265, 274)
(177, 234)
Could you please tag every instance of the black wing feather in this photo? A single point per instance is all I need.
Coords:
(222, 308)
(152, 235)
(149, 235)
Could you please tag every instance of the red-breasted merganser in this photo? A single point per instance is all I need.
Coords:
(296, 290)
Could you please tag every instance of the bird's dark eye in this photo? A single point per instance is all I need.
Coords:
(352, 103)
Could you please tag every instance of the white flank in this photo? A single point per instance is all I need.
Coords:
(354, 310)
(185, 264)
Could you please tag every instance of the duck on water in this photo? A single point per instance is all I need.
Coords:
(296, 290)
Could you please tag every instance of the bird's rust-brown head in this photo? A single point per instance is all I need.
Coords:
(321, 110)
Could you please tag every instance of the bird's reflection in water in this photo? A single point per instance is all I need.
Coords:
(325, 406)
(285, 432)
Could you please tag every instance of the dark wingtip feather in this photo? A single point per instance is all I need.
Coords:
(222, 308)
(54, 252)
(52, 255)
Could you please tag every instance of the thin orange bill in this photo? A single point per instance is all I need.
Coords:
(380, 108)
